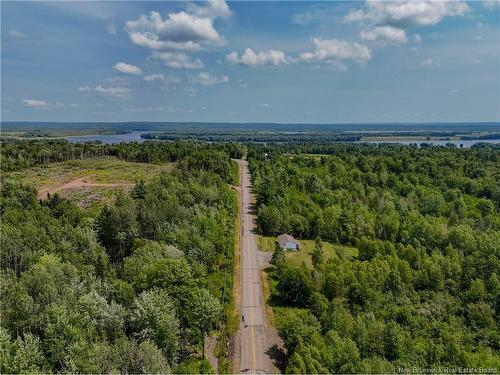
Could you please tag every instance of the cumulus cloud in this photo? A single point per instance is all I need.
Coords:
(430, 62)
(417, 38)
(213, 9)
(389, 33)
(179, 31)
(491, 4)
(17, 34)
(252, 58)
(84, 88)
(117, 92)
(335, 51)
(146, 109)
(206, 79)
(316, 14)
(33, 103)
(127, 68)
(177, 60)
(154, 77)
(407, 13)
(355, 15)
(176, 35)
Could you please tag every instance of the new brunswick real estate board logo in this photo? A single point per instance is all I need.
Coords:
(447, 370)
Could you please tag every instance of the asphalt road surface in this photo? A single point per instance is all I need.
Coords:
(256, 335)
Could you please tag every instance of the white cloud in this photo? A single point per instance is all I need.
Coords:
(115, 81)
(355, 15)
(252, 58)
(180, 31)
(175, 35)
(264, 105)
(430, 62)
(151, 41)
(335, 50)
(178, 60)
(213, 9)
(154, 77)
(116, 92)
(206, 79)
(111, 28)
(17, 34)
(146, 109)
(127, 68)
(84, 88)
(33, 103)
(406, 13)
(316, 14)
(159, 109)
(389, 33)
(491, 4)
(417, 38)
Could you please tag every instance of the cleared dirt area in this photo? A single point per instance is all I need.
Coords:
(91, 182)
(79, 183)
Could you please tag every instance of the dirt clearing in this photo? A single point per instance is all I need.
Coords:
(79, 183)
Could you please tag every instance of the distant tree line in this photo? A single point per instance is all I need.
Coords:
(260, 137)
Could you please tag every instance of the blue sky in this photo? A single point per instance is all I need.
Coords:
(318, 62)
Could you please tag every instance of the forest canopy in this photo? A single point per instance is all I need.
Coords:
(133, 289)
(423, 291)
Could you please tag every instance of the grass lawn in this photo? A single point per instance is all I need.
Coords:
(266, 243)
(296, 258)
(103, 170)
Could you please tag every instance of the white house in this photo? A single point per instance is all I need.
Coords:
(287, 242)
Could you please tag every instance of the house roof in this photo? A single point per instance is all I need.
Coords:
(283, 238)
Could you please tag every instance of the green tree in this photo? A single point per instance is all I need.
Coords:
(154, 318)
(278, 259)
(139, 191)
(203, 312)
(295, 327)
(318, 254)
(295, 286)
(117, 227)
(22, 355)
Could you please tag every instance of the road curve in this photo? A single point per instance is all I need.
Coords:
(256, 336)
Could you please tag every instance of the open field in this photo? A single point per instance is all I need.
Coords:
(88, 181)
(297, 258)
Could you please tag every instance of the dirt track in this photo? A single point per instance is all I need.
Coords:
(81, 182)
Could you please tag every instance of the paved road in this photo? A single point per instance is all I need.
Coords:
(256, 335)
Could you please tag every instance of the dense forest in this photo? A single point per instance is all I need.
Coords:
(133, 289)
(423, 291)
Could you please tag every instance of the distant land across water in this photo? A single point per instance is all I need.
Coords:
(135, 136)
(459, 134)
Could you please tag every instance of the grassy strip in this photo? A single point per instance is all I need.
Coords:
(266, 291)
(304, 255)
